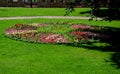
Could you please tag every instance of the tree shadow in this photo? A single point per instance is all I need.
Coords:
(3, 10)
(106, 14)
(109, 44)
(116, 59)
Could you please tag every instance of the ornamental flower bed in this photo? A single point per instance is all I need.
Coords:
(39, 24)
(36, 33)
(84, 27)
(79, 36)
(23, 27)
(29, 33)
(86, 33)
(81, 26)
(52, 38)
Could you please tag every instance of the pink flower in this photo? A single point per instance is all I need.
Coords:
(53, 38)
(78, 26)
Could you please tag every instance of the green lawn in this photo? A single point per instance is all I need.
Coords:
(18, 57)
(40, 12)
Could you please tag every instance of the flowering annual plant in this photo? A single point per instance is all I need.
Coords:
(53, 38)
(23, 27)
(29, 32)
(39, 24)
(55, 33)
(81, 26)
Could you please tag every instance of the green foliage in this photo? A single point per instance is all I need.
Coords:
(112, 12)
(58, 27)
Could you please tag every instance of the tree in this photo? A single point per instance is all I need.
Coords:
(113, 9)
(31, 3)
(112, 12)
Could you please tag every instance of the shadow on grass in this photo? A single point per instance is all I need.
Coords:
(3, 10)
(106, 14)
(110, 44)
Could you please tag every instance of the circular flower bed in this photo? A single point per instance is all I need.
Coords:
(29, 33)
(35, 33)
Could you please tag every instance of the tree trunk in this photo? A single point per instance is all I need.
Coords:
(31, 3)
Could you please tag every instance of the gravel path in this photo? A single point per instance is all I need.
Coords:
(46, 17)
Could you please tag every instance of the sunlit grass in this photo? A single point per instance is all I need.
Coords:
(17, 57)
(40, 12)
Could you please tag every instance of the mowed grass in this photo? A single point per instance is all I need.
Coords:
(17, 57)
(4, 12)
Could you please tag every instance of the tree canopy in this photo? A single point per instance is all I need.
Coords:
(111, 12)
